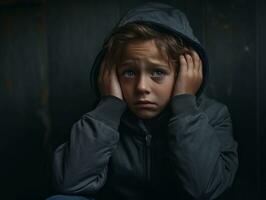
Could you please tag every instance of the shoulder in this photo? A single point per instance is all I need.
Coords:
(204, 102)
(214, 109)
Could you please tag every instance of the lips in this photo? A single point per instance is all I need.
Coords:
(144, 104)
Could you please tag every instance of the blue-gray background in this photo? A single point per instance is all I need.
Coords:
(47, 48)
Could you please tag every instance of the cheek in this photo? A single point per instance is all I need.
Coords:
(126, 87)
(165, 90)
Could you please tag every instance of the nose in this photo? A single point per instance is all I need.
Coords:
(143, 85)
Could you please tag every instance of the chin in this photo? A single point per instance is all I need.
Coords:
(146, 114)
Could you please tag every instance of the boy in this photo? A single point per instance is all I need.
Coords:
(153, 134)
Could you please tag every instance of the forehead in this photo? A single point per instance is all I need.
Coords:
(143, 51)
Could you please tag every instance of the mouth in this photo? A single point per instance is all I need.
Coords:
(145, 104)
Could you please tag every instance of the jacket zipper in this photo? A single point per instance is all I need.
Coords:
(148, 156)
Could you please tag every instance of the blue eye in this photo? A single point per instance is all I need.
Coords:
(158, 73)
(128, 73)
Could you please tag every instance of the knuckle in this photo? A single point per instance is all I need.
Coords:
(189, 57)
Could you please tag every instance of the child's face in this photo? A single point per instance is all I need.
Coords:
(145, 75)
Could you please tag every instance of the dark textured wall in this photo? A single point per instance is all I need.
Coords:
(47, 48)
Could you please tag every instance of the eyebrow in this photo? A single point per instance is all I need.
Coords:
(133, 61)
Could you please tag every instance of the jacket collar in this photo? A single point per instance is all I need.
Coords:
(146, 126)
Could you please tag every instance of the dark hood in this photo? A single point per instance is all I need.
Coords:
(163, 18)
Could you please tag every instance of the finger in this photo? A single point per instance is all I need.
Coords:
(183, 64)
(196, 60)
(104, 73)
(186, 49)
(190, 64)
(113, 72)
(100, 73)
(201, 68)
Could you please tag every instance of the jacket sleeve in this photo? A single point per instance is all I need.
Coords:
(80, 165)
(203, 152)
